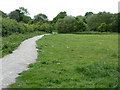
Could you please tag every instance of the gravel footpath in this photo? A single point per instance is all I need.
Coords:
(18, 61)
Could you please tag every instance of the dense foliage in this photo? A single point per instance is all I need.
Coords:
(40, 18)
(70, 24)
(95, 20)
(10, 26)
(3, 14)
(19, 21)
(61, 15)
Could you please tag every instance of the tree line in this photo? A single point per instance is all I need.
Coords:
(19, 21)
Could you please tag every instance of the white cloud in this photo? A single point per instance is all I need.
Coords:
(52, 7)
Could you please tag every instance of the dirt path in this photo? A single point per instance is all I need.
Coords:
(18, 61)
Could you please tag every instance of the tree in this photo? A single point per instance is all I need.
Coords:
(4, 15)
(40, 17)
(61, 15)
(24, 15)
(15, 15)
(70, 24)
(88, 14)
(23, 11)
(103, 27)
(20, 15)
(80, 25)
(95, 20)
(26, 19)
(65, 25)
(118, 23)
(113, 26)
(9, 26)
(46, 27)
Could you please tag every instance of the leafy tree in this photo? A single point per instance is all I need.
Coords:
(40, 17)
(46, 27)
(9, 26)
(83, 18)
(95, 20)
(0, 26)
(15, 15)
(118, 23)
(4, 15)
(26, 19)
(31, 21)
(103, 27)
(80, 25)
(23, 15)
(70, 24)
(88, 14)
(23, 11)
(113, 26)
(20, 15)
(61, 15)
(65, 25)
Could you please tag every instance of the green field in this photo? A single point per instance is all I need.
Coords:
(11, 42)
(73, 61)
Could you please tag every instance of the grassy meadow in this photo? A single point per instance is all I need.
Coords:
(73, 61)
(11, 42)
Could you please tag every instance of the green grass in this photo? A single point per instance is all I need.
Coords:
(94, 33)
(11, 42)
(73, 61)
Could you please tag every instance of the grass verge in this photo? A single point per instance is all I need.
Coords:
(11, 42)
(73, 61)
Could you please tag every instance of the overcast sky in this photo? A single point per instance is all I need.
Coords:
(52, 7)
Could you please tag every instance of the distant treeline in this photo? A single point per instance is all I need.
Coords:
(19, 21)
